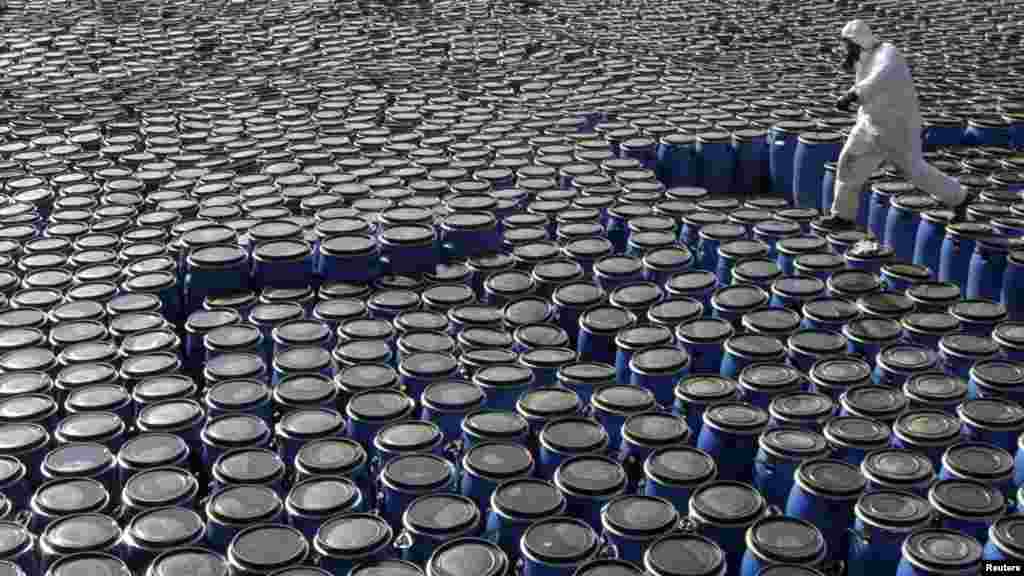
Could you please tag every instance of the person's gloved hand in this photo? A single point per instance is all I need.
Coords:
(846, 102)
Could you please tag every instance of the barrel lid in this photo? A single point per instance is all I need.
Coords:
(818, 342)
(907, 358)
(268, 546)
(684, 555)
(936, 387)
(160, 486)
(978, 310)
(28, 382)
(770, 377)
(78, 459)
(639, 516)
(968, 345)
(978, 460)
(166, 527)
(644, 336)
(560, 540)
(998, 374)
(914, 272)
(300, 571)
(408, 436)
(927, 426)
(68, 496)
(13, 536)
(528, 497)
(88, 563)
(992, 413)
(705, 330)
(237, 394)
(655, 429)
(429, 364)
(794, 443)
(609, 567)
(453, 395)
(1009, 333)
(888, 304)
(623, 398)
(931, 322)
(967, 499)
(692, 281)
(590, 475)
(834, 478)
(367, 377)
(736, 417)
(153, 449)
(823, 261)
(706, 389)
(495, 423)
(387, 568)
(11, 469)
(394, 299)
(873, 329)
(248, 466)
(857, 431)
(476, 314)
(549, 401)
(418, 471)
(82, 532)
(323, 495)
(740, 297)
(1008, 533)
(236, 429)
(772, 320)
(893, 508)
(853, 282)
(726, 502)
(549, 357)
(898, 466)
(89, 425)
(441, 514)
(353, 534)
(785, 540)
(304, 389)
(574, 435)
(756, 270)
(660, 360)
(755, 346)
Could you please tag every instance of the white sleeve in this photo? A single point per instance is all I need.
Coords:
(886, 67)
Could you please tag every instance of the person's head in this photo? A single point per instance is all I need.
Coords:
(858, 33)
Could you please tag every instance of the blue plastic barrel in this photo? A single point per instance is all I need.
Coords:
(902, 222)
(717, 162)
(813, 150)
(677, 160)
(751, 149)
(782, 144)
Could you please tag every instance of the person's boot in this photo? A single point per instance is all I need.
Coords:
(836, 223)
(960, 212)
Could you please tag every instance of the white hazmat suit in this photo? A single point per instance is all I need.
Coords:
(888, 127)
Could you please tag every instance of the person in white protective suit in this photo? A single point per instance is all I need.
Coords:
(888, 128)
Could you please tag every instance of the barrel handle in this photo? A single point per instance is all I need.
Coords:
(834, 567)
(688, 525)
(607, 550)
(774, 510)
(23, 517)
(453, 450)
(859, 536)
(769, 466)
(404, 542)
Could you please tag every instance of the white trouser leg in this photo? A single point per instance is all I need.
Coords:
(927, 177)
(857, 162)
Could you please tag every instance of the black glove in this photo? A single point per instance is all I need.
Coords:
(844, 104)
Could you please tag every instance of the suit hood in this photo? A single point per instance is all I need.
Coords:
(858, 32)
